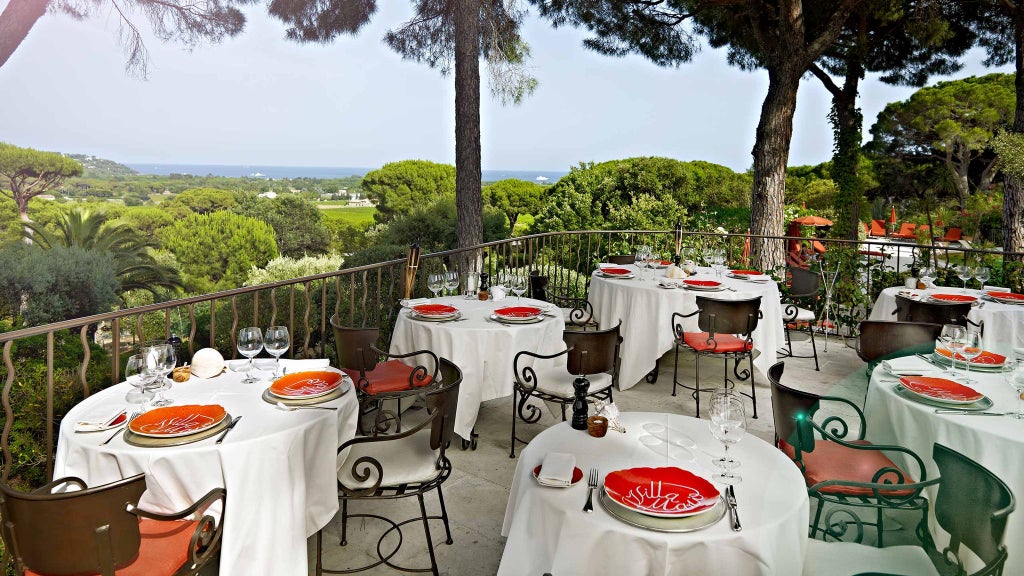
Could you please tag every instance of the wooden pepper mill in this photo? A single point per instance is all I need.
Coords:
(579, 405)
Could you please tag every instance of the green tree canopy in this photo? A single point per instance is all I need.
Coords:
(26, 173)
(201, 201)
(515, 197)
(397, 187)
(146, 220)
(216, 251)
(298, 224)
(433, 226)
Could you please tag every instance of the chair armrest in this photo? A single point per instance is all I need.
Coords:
(882, 490)
(49, 486)
(369, 462)
(831, 419)
(200, 505)
(206, 537)
(419, 374)
(922, 472)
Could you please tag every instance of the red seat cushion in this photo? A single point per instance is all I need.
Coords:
(723, 343)
(878, 227)
(164, 549)
(833, 461)
(390, 376)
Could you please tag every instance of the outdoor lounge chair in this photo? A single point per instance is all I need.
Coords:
(906, 231)
(951, 235)
(877, 229)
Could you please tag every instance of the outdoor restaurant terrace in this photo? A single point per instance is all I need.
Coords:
(839, 439)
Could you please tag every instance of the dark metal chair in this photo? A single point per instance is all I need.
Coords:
(410, 463)
(841, 469)
(880, 340)
(621, 259)
(592, 355)
(725, 332)
(376, 381)
(577, 313)
(100, 531)
(908, 310)
(804, 291)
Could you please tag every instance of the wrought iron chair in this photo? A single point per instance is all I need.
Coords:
(577, 313)
(881, 340)
(804, 288)
(842, 470)
(621, 259)
(908, 310)
(592, 355)
(375, 381)
(410, 463)
(100, 531)
(972, 506)
(725, 332)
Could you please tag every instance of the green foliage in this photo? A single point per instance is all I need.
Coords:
(1010, 147)
(515, 197)
(42, 286)
(146, 220)
(201, 201)
(298, 224)
(433, 226)
(26, 173)
(359, 216)
(216, 251)
(94, 167)
(285, 268)
(398, 187)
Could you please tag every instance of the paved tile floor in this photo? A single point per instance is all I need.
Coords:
(477, 491)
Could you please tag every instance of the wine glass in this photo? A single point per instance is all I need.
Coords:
(250, 343)
(951, 333)
(451, 282)
(519, 286)
(970, 348)
(135, 375)
(965, 273)
(1015, 378)
(434, 283)
(981, 274)
(927, 275)
(728, 423)
(159, 361)
(276, 341)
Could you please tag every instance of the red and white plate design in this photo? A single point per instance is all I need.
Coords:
(514, 313)
(702, 284)
(663, 492)
(616, 271)
(306, 384)
(661, 263)
(986, 358)
(745, 273)
(173, 421)
(435, 310)
(1007, 297)
(941, 389)
(953, 298)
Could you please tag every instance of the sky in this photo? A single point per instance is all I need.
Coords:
(259, 99)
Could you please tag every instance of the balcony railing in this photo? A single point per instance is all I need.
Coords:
(83, 355)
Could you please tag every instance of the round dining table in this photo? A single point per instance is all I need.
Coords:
(279, 468)
(481, 346)
(548, 532)
(645, 309)
(995, 442)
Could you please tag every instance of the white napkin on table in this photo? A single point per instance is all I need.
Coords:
(303, 365)
(674, 271)
(113, 421)
(410, 302)
(603, 265)
(988, 288)
(557, 469)
(497, 293)
(908, 366)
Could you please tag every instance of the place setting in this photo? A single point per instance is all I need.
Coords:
(178, 425)
(435, 313)
(612, 271)
(307, 389)
(518, 315)
(750, 276)
(1004, 297)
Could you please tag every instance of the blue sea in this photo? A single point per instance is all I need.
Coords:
(242, 171)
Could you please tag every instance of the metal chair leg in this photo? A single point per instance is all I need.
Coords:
(426, 532)
(696, 385)
(344, 523)
(753, 393)
(814, 347)
(675, 372)
(319, 552)
(512, 450)
(817, 518)
(444, 516)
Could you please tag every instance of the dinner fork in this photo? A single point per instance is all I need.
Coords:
(131, 416)
(591, 484)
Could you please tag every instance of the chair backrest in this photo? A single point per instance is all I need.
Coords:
(538, 286)
(592, 352)
(908, 310)
(622, 259)
(728, 316)
(804, 282)
(972, 506)
(77, 532)
(354, 346)
(953, 234)
(791, 410)
(907, 228)
(881, 340)
(878, 227)
(446, 398)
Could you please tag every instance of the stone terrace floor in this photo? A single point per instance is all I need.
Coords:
(478, 489)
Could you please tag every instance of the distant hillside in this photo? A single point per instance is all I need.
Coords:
(100, 168)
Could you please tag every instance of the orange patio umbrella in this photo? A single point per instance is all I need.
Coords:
(892, 215)
(812, 221)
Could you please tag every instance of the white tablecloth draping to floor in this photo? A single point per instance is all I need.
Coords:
(646, 313)
(1004, 323)
(548, 532)
(995, 442)
(484, 350)
(279, 468)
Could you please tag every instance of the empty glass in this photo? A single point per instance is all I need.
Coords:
(981, 274)
(964, 273)
(159, 361)
(728, 423)
(276, 342)
(1015, 378)
(472, 285)
(434, 283)
(927, 275)
(135, 375)
(250, 343)
(519, 285)
(451, 282)
(950, 335)
(970, 348)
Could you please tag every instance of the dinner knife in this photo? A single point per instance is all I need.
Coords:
(228, 429)
(970, 413)
(734, 515)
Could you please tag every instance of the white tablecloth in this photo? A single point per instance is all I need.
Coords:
(548, 532)
(995, 442)
(484, 350)
(1004, 323)
(646, 313)
(279, 468)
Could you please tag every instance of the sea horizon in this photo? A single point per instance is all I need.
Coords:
(280, 172)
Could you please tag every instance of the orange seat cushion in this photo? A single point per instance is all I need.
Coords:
(163, 550)
(878, 227)
(723, 343)
(390, 376)
(833, 461)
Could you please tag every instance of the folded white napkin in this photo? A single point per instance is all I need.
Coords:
(674, 271)
(667, 283)
(301, 365)
(908, 366)
(498, 293)
(410, 302)
(113, 421)
(604, 265)
(987, 288)
(556, 470)
(611, 412)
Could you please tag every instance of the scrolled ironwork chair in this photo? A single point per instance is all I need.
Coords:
(804, 290)
(402, 465)
(376, 381)
(725, 329)
(593, 355)
(101, 531)
(578, 313)
(621, 259)
(972, 506)
(909, 310)
(882, 340)
(843, 470)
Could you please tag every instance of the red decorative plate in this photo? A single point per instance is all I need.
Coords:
(662, 263)
(746, 272)
(702, 283)
(986, 358)
(517, 312)
(306, 384)
(664, 492)
(577, 475)
(172, 421)
(953, 298)
(616, 271)
(435, 310)
(1007, 297)
(941, 389)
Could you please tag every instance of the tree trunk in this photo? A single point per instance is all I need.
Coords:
(23, 215)
(1013, 188)
(848, 123)
(16, 21)
(771, 154)
(468, 193)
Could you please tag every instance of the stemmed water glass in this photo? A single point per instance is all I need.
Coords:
(950, 335)
(159, 361)
(981, 274)
(276, 342)
(728, 423)
(927, 275)
(1015, 378)
(434, 283)
(250, 343)
(519, 285)
(718, 261)
(970, 348)
(135, 375)
(451, 282)
(965, 273)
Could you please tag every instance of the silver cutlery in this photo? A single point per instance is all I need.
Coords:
(287, 408)
(969, 413)
(131, 416)
(591, 484)
(928, 360)
(734, 515)
(228, 429)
